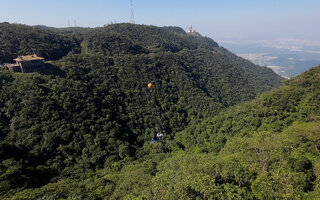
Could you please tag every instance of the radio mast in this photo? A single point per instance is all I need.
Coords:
(132, 13)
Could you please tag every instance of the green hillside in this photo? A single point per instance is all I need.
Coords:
(297, 101)
(267, 148)
(82, 128)
(18, 39)
(277, 158)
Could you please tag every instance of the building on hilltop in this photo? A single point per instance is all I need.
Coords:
(193, 32)
(26, 64)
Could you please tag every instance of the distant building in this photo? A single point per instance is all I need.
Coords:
(26, 64)
(193, 32)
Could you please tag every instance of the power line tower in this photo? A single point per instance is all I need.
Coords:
(132, 13)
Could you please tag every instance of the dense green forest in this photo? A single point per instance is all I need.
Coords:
(81, 128)
(17, 39)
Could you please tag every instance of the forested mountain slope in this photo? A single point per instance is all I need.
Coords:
(17, 39)
(297, 101)
(216, 71)
(267, 148)
(91, 110)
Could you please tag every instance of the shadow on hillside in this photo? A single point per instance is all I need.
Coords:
(49, 69)
(30, 174)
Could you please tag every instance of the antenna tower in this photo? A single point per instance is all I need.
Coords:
(132, 13)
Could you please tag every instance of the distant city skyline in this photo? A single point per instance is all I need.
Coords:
(260, 19)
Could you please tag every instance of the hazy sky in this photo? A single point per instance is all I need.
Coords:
(261, 19)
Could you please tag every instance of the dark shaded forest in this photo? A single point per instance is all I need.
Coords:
(82, 127)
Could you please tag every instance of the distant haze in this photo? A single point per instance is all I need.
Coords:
(287, 57)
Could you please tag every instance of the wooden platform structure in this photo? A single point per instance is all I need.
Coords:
(26, 64)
